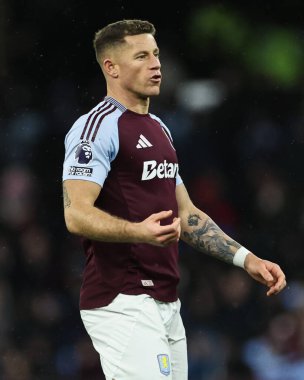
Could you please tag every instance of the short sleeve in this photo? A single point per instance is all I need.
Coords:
(178, 180)
(89, 160)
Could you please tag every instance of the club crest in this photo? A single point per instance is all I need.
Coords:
(164, 364)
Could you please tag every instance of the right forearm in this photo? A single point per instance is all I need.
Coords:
(96, 224)
(84, 219)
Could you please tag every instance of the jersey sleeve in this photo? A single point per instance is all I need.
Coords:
(89, 160)
(178, 179)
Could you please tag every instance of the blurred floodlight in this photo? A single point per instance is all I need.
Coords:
(200, 95)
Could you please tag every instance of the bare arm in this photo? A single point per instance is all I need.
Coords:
(83, 218)
(203, 234)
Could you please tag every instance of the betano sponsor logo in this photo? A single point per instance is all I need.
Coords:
(162, 170)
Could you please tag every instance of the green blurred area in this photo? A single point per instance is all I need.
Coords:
(264, 50)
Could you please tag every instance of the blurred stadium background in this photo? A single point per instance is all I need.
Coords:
(233, 98)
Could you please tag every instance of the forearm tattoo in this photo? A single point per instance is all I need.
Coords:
(207, 237)
(66, 199)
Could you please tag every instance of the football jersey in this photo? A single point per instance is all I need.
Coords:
(132, 157)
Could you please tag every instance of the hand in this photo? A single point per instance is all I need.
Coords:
(266, 272)
(153, 233)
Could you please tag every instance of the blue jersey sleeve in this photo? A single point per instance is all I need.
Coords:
(90, 160)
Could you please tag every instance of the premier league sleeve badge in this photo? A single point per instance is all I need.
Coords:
(83, 153)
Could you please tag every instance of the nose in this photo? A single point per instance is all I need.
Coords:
(155, 62)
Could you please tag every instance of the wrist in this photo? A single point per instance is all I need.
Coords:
(133, 231)
(240, 256)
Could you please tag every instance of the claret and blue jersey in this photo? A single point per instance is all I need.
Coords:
(132, 157)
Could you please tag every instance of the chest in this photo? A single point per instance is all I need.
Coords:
(145, 146)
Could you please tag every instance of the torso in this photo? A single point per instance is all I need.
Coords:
(140, 182)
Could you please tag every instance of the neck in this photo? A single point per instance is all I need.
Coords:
(131, 101)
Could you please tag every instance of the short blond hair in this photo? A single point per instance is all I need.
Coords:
(113, 34)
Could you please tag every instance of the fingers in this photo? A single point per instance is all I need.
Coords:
(179, 226)
(161, 215)
(162, 235)
(267, 276)
(268, 273)
(279, 281)
(174, 227)
(170, 233)
(172, 236)
(277, 286)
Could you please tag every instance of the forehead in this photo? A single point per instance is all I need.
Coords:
(140, 42)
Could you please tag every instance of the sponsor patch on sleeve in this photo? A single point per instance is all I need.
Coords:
(80, 171)
(164, 364)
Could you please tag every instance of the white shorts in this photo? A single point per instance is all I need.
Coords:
(139, 338)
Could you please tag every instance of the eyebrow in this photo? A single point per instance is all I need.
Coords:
(156, 50)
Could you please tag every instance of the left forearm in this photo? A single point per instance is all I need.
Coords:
(203, 234)
(200, 231)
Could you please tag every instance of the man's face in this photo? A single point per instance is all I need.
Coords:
(138, 65)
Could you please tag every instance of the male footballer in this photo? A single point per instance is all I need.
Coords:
(124, 196)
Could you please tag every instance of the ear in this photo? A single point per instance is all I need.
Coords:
(110, 68)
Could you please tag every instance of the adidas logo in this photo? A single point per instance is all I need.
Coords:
(143, 142)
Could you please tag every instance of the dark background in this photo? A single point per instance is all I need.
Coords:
(232, 96)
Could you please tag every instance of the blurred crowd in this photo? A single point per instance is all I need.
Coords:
(239, 140)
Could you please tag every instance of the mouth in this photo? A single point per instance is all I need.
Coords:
(156, 78)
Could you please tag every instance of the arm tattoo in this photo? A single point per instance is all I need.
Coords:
(207, 237)
(66, 199)
(193, 220)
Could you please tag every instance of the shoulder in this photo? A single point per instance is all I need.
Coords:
(154, 117)
(163, 125)
(89, 126)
